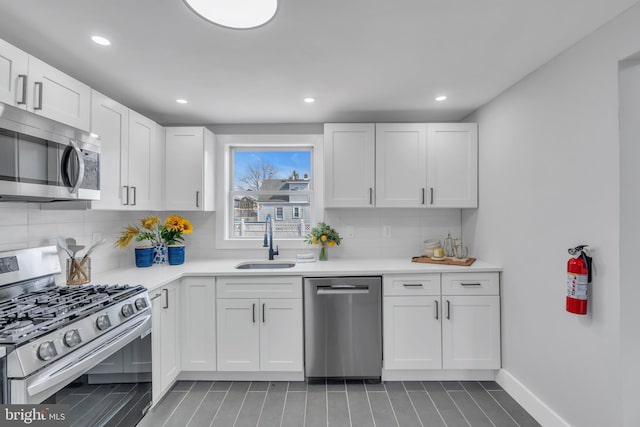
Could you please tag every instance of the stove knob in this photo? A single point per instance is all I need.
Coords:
(127, 310)
(103, 322)
(47, 351)
(141, 303)
(72, 338)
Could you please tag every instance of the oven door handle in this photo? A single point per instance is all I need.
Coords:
(65, 371)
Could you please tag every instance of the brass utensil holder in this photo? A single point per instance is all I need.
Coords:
(78, 271)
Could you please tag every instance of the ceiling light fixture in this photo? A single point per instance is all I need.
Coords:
(102, 41)
(241, 14)
(441, 98)
(309, 100)
(181, 101)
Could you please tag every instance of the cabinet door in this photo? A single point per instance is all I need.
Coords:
(198, 324)
(412, 335)
(142, 138)
(238, 331)
(14, 65)
(401, 165)
(349, 162)
(281, 335)
(471, 332)
(169, 341)
(110, 121)
(57, 96)
(184, 168)
(452, 153)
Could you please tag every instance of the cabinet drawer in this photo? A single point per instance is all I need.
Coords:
(470, 284)
(259, 287)
(414, 284)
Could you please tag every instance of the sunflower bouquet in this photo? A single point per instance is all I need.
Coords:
(323, 235)
(151, 230)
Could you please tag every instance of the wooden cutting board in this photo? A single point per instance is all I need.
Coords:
(447, 261)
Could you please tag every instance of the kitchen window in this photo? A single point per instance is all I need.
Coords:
(265, 180)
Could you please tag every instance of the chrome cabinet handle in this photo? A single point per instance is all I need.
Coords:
(470, 284)
(135, 196)
(436, 305)
(370, 195)
(126, 187)
(448, 310)
(412, 285)
(431, 194)
(263, 310)
(39, 104)
(197, 199)
(23, 77)
(423, 196)
(166, 298)
(253, 312)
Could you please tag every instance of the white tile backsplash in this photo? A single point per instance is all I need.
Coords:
(27, 225)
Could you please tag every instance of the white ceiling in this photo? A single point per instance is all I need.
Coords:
(364, 60)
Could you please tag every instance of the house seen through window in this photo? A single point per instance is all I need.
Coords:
(272, 181)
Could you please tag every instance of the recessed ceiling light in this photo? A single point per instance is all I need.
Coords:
(181, 101)
(441, 98)
(309, 100)
(101, 40)
(242, 14)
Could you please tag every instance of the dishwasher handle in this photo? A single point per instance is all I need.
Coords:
(342, 289)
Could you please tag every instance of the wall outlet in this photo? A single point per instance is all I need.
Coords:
(386, 231)
(349, 231)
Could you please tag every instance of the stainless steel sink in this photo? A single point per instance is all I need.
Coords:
(254, 265)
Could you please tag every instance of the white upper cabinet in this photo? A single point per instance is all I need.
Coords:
(57, 96)
(452, 170)
(401, 165)
(130, 157)
(110, 120)
(349, 161)
(14, 67)
(28, 83)
(189, 178)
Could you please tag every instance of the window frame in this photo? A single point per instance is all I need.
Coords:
(226, 143)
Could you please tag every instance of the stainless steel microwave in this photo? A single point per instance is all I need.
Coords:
(42, 160)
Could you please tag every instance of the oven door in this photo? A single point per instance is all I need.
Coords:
(109, 382)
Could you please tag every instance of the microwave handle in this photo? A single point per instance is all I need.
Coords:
(67, 166)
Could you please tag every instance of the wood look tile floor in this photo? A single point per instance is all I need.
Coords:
(350, 404)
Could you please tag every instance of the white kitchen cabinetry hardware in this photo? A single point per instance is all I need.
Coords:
(14, 67)
(131, 157)
(349, 162)
(412, 165)
(401, 165)
(256, 330)
(456, 328)
(452, 170)
(189, 181)
(198, 324)
(28, 83)
(165, 337)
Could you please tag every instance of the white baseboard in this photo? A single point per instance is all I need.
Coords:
(529, 401)
(240, 376)
(438, 374)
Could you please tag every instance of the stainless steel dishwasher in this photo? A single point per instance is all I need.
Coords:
(343, 327)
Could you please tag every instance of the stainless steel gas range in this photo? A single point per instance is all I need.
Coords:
(86, 346)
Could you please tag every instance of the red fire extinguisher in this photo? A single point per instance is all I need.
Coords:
(578, 278)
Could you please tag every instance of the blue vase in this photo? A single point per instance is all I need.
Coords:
(176, 254)
(144, 257)
(159, 253)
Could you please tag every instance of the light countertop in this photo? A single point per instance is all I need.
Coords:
(160, 275)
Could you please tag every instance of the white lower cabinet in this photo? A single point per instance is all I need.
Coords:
(198, 323)
(165, 337)
(457, 327)
(260, 328)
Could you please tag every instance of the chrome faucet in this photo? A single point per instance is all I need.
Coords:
(268, 237)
